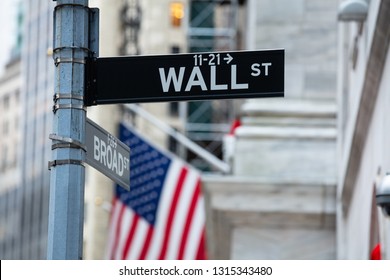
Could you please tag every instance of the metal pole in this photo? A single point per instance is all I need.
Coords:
(66, 208)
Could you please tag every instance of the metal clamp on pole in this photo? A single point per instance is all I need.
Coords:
(59, 60)
(59, 96)
(56, 162)
(66, 142)
(71, 5)
(71, 48)
(68, 106)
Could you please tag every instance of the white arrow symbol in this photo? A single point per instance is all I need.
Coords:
(228, 59)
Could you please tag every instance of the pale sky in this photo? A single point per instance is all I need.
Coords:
(7, 28)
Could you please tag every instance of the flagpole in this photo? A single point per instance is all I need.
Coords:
(210, 158)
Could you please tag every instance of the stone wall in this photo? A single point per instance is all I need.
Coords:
(259, 219)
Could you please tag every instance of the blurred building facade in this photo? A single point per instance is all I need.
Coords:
(363, 127)
(140, 27)
(10, 143)
(280, 202)
(25, 195)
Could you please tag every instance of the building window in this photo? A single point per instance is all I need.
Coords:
(17, 96)
(16, 123)
(5, 127)
(6, 102)
(177, 13)
(174, 109)
(175, 49)
(4, 158)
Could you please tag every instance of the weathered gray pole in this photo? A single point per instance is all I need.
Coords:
(66, 212)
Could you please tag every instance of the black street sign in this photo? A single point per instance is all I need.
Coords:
(185, 77)
(107, 154)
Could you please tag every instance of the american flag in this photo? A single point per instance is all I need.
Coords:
(162, 216)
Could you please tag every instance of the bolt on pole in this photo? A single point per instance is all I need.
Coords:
(66, 207)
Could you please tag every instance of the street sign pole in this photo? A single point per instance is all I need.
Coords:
(66, 208)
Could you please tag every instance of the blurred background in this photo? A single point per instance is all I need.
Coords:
(295, 177)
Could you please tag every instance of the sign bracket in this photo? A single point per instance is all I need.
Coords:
(56, 162)
(90, 82)
(66, 140)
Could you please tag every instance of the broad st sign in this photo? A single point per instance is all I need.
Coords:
(107, 154)
(185, 77)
